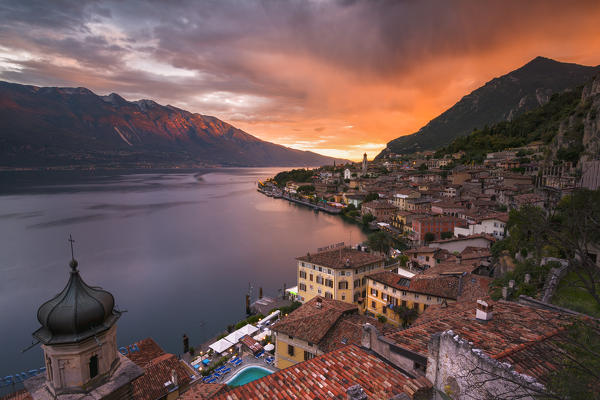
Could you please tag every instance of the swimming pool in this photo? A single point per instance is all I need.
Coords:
(248, 374)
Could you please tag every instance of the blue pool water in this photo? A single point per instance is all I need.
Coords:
(249, 374)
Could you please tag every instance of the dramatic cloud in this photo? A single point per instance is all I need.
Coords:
(337, 77)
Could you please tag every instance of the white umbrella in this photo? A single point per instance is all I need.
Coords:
(269, 347)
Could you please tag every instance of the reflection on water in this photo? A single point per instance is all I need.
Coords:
(177, 250)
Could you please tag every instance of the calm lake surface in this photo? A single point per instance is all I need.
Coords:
(177, 250)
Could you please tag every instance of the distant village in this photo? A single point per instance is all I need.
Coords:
(434, 305)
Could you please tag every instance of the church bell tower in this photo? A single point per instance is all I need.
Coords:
(78, 334)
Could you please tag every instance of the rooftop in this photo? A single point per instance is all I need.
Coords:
(449, 287)
(151, 385)
(343, 257)
(328, 376)
(379, 204)
(203, 391)
(512, 326)
(311, 322)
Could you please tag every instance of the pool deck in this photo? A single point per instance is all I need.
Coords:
(248, 361)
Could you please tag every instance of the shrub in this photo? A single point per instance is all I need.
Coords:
(382, 319)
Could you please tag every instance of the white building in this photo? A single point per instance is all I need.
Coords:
(494, 225)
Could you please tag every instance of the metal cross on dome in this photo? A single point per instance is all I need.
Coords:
(72, 241)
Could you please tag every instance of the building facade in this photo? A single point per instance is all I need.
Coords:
(338, 274)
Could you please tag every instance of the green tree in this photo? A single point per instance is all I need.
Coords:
(371, 197)
(306, 189)
(367, 218)
(446, 235)
(423, 167)
(379, 241)
(407, 315)
(429, 237)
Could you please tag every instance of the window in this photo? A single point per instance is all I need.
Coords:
(302, 274)
(93, 366)
(302, 287)
(426, 258)
(428, 297)
(343, 285)
(425, 306)
(311, 277)
(373, 305)
(290, 350)
(416, 296)
(308, 355)
(416, 306)
(404, 293)
(329, 283)
(319, 280)
(356, 283)
(328, 295)
(403, 303)
(342, 273)
(303, 264)
(384, 310)
(374, 292)
(343, 297)
(320, 269)
(384, 296)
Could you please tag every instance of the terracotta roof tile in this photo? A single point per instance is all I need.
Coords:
(311, 323)
(148, 351)
(512, 325)
(22, 394)
(337, 258)
(326, 377)
(151, 385)
(203, 391)
(348, 330)
(453, 287)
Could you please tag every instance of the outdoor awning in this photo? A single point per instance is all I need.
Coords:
(221, 345)
(235, 336)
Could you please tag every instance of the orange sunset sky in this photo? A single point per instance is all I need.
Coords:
(336, 77)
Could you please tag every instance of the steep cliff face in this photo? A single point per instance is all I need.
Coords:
(501, 99)
(44, 126)
(591, 126)
(578, 136)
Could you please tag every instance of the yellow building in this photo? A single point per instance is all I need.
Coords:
(390, 294)
(317, 327)
(338, 274)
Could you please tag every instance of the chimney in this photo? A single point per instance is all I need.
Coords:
(347, 262)
(504, 292)
(174, 377)
(319, 303)
(458, 259)
(527, 278)
(355, 392)
(511, 284)
(484, 311)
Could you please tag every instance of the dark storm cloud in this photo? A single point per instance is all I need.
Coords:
(300, 64)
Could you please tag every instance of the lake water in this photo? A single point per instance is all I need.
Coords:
(177, 250)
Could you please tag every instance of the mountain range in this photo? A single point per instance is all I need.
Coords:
(56, 127)
(501, 99)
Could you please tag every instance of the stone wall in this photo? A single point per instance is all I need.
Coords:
(463, 372)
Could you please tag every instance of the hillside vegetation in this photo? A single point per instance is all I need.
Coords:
(540, 124)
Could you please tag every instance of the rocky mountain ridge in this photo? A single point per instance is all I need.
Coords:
(501, 99)
(49, 126)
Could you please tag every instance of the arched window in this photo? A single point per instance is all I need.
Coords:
(93, 366)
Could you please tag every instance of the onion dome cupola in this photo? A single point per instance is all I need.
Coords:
(77, 313)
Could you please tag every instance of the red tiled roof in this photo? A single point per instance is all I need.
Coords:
(379, 204)
(203, 391)
(326, 377)
(22, 394)
(338, 258)
(311, 323)
(348, 330)
(151, 385)
(148, 351)
(477, 236)
(511, 326)
(452, 267)
(252, 344)
(449, 287)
